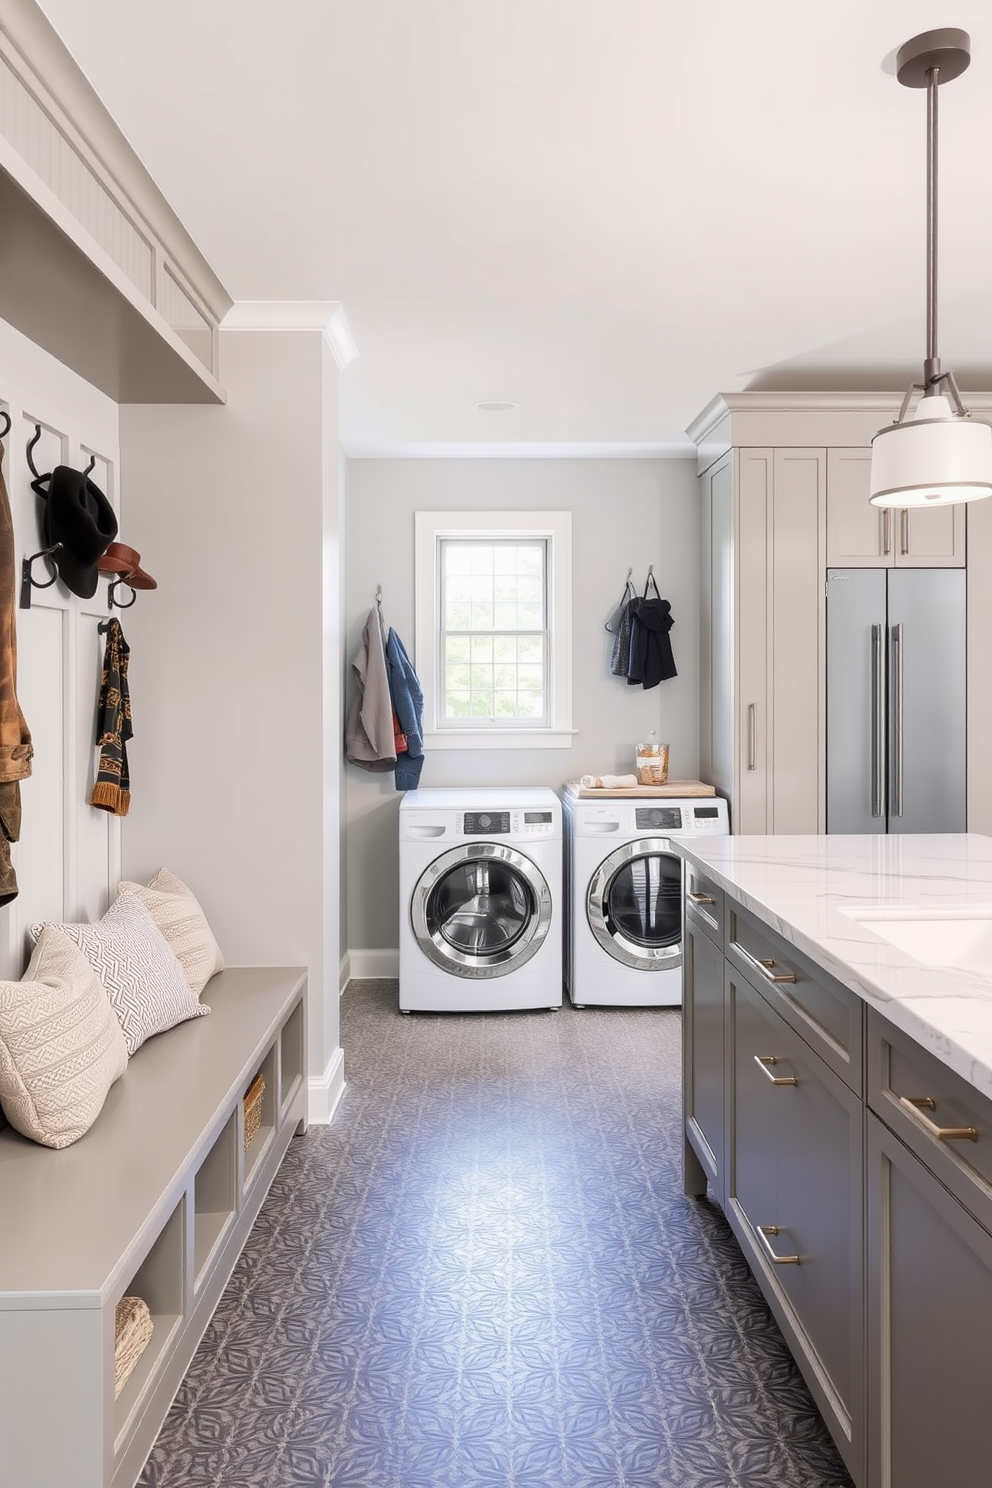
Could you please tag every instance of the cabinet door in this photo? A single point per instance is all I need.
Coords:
(930, 1321)
(716, 628)
(751, 614)
(929, 538)
(794, 1171)
(795, 618)
(702, 1046)
(859, 535)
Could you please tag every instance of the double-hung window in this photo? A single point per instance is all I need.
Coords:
(493, 628)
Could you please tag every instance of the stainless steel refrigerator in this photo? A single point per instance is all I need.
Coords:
(896, 700)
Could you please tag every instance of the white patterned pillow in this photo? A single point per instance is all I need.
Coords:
(61, 1048)
(177, 914)
(143, 979)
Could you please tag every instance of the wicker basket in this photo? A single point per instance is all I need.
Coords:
(253, 1108)
(132, 1334)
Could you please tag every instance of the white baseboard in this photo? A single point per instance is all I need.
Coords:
(366, 964)
(344, 972)
(324, 1092)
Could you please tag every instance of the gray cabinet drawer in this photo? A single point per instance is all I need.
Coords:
(939, 1116)
(825, 1014)
(704, 903)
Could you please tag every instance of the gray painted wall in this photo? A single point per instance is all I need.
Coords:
(624, 512)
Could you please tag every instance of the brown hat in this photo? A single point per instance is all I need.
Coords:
(125, 562)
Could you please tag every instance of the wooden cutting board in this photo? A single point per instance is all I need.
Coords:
(687, 788)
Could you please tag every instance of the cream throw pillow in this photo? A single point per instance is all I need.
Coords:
(61, 1047)
(177, 914)
(143, 979)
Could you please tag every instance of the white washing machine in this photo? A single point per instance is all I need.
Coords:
(623, 896)
(481, 904)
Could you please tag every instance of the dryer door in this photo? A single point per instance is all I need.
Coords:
(481, 910)
(634, 905)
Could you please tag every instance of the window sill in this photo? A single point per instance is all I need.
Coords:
(500, 739)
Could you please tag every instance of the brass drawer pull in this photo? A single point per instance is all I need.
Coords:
(917, 1104)
(700, 898)
(765, 1062)
(763, 1232)
(765, 967)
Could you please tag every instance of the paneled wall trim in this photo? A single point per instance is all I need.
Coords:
(68, 170)
(68, 858)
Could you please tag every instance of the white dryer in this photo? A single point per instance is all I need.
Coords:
(623, 931)
(481, 908)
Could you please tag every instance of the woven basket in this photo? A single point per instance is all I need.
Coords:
(253, 1109)
(132, 1334)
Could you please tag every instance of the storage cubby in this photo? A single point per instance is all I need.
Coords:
(257, 1147)
(214, 1198)
(291, 1055)
(159, 1281)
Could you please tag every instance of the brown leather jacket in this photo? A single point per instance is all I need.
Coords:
(16, 748)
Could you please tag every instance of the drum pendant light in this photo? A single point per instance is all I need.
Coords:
(934, 454)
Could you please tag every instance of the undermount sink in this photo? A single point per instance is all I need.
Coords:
(955, 936)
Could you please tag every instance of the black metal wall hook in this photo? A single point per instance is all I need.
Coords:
(29, 582)
(6, 428)
(118, 604)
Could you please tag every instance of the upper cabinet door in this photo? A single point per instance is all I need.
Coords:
(860, 535)
(930, 539)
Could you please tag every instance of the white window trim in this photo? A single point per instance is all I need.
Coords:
(556, 527)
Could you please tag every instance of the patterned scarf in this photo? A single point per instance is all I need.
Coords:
(112, 791)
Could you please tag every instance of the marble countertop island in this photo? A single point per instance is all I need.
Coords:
(806, 888)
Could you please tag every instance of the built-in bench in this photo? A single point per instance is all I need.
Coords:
(157, 1200)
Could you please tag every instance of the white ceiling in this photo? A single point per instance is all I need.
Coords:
(605, 211)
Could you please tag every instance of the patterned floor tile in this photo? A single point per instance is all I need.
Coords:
(484, 1274)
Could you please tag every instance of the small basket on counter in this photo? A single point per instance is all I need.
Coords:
(252, 1104)
(133, 1328)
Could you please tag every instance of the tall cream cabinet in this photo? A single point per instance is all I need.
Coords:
(784, 497)
(761, 519)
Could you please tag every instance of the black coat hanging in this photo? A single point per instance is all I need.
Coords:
(651, 660)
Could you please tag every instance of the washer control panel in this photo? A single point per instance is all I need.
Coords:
(508, 823)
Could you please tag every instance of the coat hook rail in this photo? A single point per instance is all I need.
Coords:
(29, 582)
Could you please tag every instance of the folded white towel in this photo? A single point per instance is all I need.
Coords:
(607, 782)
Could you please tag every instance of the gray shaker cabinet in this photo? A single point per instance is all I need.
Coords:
(930, 1299)
(794, 1200)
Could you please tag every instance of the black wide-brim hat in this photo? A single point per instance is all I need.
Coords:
(79, 516)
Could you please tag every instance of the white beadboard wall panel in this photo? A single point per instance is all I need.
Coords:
(68, 858)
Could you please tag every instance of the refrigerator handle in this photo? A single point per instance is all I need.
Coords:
(897, 784)
(878, 749)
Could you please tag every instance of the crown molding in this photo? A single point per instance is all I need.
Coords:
(480, 450)
(327, 316)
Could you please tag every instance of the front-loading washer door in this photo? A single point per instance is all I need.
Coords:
(481, 910)
(634, 905)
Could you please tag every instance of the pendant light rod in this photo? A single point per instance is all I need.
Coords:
(931, 369)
